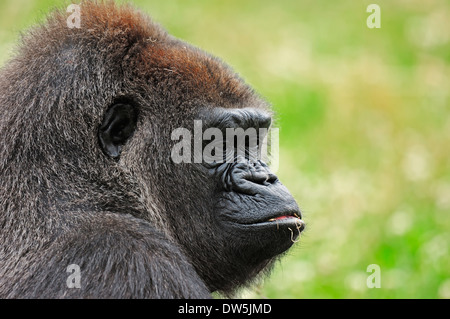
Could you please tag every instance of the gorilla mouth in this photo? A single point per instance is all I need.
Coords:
(290, 225)
(283, 217)
(286, 220)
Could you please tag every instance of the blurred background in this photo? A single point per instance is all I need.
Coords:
(364, 118)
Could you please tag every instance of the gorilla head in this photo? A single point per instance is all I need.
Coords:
(86, 160)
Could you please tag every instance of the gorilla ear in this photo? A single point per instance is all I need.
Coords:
(117, 127)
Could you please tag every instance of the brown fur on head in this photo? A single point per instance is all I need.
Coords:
(144, 47)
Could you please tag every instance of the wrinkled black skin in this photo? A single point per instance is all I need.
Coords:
(77, 191)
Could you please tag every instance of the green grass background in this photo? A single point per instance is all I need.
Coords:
(365, 130)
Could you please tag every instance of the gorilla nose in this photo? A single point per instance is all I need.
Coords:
(261, 177)
(250, 178)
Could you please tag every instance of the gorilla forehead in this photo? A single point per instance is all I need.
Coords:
(128, 42)
(196, 74)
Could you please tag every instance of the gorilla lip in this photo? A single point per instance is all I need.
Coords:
(282, 217)
(288, 219)
(283, 220)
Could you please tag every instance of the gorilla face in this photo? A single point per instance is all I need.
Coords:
(250, 199)
(257, 214)
(231, 216)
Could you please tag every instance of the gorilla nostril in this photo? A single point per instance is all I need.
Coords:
(259, 178)
(272, 178)
(262, 178)
(259, 174)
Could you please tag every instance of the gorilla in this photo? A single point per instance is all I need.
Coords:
(92, 203)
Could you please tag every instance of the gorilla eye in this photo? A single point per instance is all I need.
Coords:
(118, 126)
